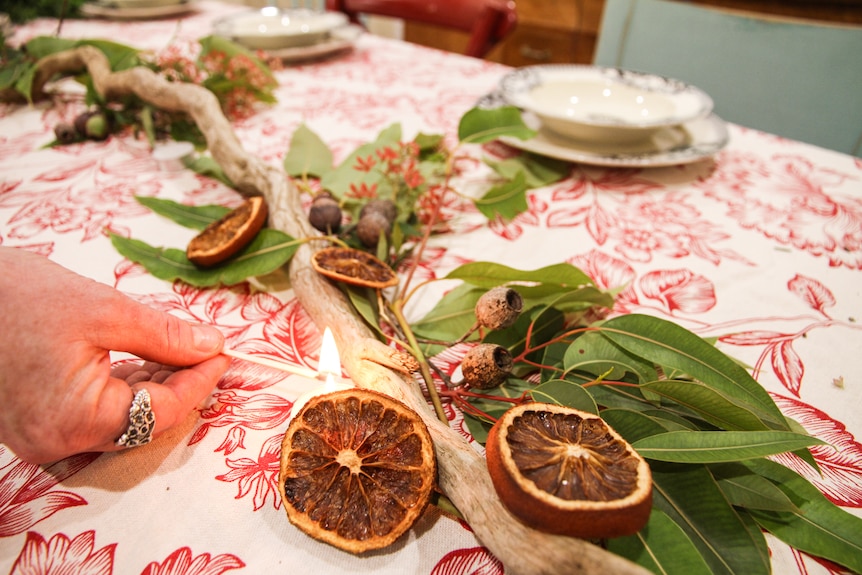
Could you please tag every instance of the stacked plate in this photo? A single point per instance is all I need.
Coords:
(613, 117)
(295, 34)
(137, 9)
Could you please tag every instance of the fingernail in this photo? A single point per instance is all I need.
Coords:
(206, 338)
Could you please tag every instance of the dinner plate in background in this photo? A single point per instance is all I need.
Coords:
(274, 29)
(339, 40)
(114, 12)
(683, 144)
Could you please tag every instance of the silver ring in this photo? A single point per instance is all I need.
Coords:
(142, 421)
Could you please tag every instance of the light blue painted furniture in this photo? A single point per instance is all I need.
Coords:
(797, 79)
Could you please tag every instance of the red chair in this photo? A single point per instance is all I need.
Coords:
(487, 21)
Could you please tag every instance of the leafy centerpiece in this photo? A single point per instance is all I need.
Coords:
(706, 428)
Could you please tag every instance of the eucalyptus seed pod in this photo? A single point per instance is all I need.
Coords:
(499, 308)
(485, 366)
(325, 213)
(386, 208)
(370, 227)
(65, 133)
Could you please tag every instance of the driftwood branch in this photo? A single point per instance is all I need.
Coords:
(463, 476)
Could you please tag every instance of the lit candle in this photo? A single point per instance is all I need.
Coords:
(328, 374)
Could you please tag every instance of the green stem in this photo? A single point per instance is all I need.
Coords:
(423, 362)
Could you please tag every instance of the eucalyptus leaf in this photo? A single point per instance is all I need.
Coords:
(514, 388)
(720, 446)
(538, 171)
(818, 527)
(540, 323)
(506, 200)
(566, 393)
(689, 495)
(489, 274)
(308, 155)
(708, 403)
(364, 301)
(660, 546)
(668, 344)
(744, 488)
(194, 217)
(481, 125)
(207, 166)
(452, 317)
(266, 253)
(592, 353)
(632, 425)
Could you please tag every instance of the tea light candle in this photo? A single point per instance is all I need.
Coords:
(328, 369)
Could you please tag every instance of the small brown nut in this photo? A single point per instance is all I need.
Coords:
(485, 366)
(325, 214)
(386, 208)
(499, 308)
(370, 227)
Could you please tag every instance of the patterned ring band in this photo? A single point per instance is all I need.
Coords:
(142, 421)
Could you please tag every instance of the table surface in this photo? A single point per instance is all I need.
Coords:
(760, 246)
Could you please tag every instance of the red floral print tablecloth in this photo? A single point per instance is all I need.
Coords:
(760, 247)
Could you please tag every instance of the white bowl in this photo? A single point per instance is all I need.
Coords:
(126, 4)
(603, 104)
(272, 28)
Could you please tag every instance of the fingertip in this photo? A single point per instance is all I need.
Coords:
(207, 339)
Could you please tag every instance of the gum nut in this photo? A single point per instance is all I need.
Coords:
(325, 215)
(370, 227)
(97, 127)
(499, 308)
(385, 207)
(486, 366)
(65, 133)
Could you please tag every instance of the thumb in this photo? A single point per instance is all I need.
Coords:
(155, 335)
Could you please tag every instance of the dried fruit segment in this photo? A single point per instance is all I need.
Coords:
(565, 471)
(222, 239)
(353, 266)
(357, 469)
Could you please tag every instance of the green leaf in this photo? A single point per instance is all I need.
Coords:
(479, 125)
(488, 275)
(744, 488)
(592, 353)
(689, 495)
(42, 46)
(266, 253)
(452, 317)
(479, 427)
(207, 166)
(566, 393)
(194, 217)
(708, 403)
(671, 345)
(819, 527)
(538, 171)
(506, 200)
(308, 155)
(662, 547)
(632, 425)
(720, 446)
(339, 180)
(541, 323)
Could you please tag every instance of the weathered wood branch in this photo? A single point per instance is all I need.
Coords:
(463, 476)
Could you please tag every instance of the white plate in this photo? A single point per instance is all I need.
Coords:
(275, 29)
(603, 104)
(340, 39)
(100, 10)
(690, 142)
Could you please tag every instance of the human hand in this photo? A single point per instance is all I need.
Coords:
(58, 393)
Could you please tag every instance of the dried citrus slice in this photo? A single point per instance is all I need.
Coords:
(225, 237)
(567, 472)
(357, 469)
(353, 266)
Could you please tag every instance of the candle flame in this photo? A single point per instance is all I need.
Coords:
(329, 364)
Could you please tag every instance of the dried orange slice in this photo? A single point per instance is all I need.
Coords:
(357, 469)
(353, 266)
(567, 472)
(225, 237)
